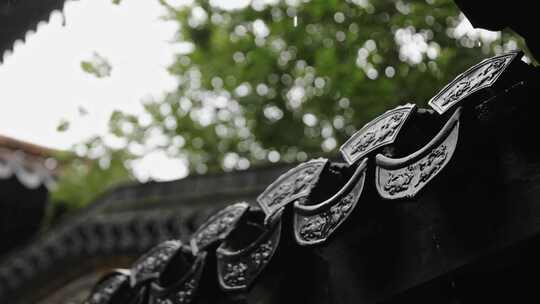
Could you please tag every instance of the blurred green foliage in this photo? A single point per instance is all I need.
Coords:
(98, 66)
(83, 178)
(254, 88)
(62, 126)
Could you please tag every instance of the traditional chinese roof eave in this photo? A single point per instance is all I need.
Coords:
(18, 17)
(29, 148)
(27, 163)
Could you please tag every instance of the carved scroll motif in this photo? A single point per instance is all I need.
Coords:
(405, 177)
(290, 186)
(105, 290)
(153, 262)
(183, 292)
(313, 224)
(381, 131)
(480, 76)
(238, 270)
(218, 226)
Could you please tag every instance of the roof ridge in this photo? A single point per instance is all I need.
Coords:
(28, 147)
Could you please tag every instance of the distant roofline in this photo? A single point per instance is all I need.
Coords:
(27, 147)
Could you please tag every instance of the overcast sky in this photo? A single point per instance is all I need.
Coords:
(42, 82)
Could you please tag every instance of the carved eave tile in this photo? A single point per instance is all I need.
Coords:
(113, 286)
(405, 177)
(480, 76)
(237, 270)
(152, 263)
(185, 290)
(290, 186)
(218, 227)
(381, 131)
(313, 224)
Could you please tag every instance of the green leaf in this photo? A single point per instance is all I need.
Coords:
(98, 66)
(62, 126)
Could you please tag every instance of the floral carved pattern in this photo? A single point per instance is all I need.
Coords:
(262, 254)
(315, 221)
(432, 164)
(295, 183)
(478, 77)
(183, 292)
(319, 226)
(238, 270)
(184, 295)
(106, 289)
(219, 226)
(405, 177)
(237, 274)
(423, 170)
(373, 137)
(152, 263)
(381, 131)
(398, 182)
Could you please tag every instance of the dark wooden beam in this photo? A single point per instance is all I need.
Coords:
(17, 17)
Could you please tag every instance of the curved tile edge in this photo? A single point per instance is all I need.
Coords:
(405, 177)
(314, 224)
